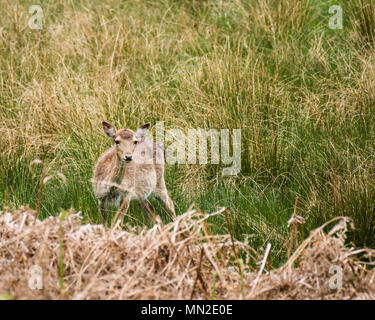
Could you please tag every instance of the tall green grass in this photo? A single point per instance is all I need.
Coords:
(302, 94)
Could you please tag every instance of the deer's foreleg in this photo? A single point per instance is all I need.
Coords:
(164, 197)
(147, 208)
(123, 209)
(102, 210)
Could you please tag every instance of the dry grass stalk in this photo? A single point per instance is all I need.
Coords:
(293, 223)
(40, 192)
(43, 180)
(199, 278)
(232, 239)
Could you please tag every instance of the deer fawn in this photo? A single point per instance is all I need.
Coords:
(131, 169)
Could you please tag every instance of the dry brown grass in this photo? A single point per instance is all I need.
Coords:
(173, 261)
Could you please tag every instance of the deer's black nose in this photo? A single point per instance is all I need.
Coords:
(128, 158)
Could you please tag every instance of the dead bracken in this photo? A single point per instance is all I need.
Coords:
(179, 260)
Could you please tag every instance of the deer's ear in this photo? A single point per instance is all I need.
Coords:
(140, 133)
(109, 129)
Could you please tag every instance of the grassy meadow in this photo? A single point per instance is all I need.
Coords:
(302, 94)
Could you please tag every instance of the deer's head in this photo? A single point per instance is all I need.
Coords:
(126, 140)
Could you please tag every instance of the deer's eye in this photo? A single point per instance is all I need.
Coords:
(135, 142)
(117, 142)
